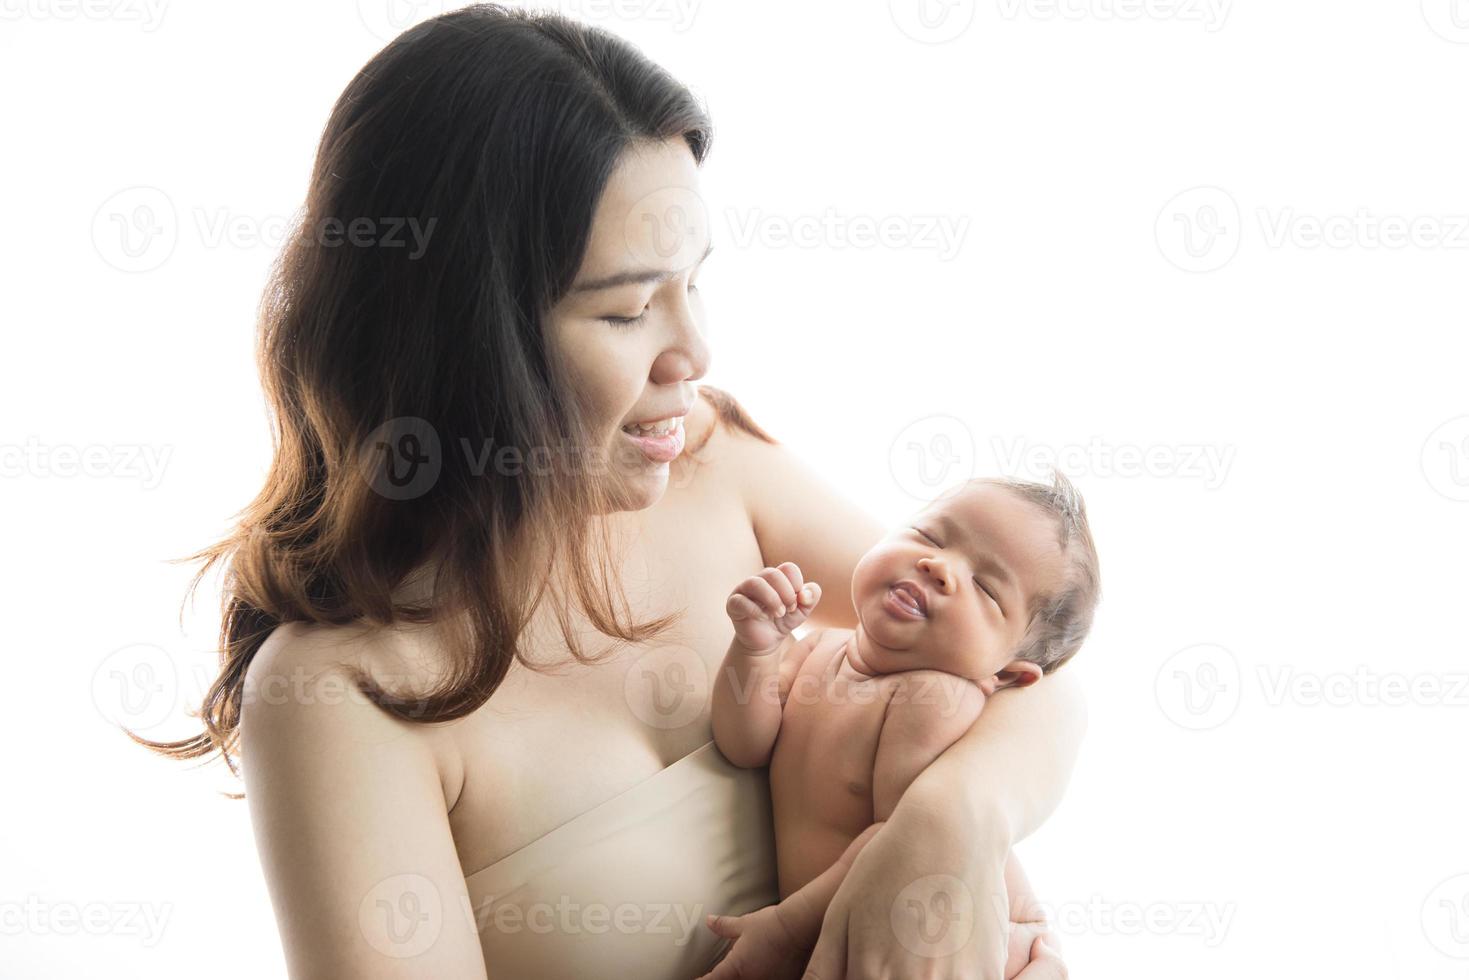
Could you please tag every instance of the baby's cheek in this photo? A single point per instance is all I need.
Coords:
(975, 644)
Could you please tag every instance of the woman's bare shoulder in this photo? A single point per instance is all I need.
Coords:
(302, 677)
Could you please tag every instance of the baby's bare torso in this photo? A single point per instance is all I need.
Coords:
(821, 770)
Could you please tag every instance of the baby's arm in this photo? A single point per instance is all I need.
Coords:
(928, 712)
(749, 690)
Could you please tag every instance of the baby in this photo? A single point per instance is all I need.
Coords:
(990, 586)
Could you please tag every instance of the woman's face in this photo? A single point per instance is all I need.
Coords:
(631, 326)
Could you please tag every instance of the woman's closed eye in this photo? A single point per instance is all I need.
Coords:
(632, 321)
(627, 321)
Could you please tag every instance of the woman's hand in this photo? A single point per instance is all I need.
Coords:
(765, 608)
(907, 910)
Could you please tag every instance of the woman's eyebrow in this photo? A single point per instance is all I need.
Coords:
(635, 276)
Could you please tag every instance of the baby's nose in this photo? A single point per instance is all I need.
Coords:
(938, 572)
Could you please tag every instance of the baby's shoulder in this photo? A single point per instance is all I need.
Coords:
(934, 699)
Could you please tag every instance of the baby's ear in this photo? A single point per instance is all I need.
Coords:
(1017, 673)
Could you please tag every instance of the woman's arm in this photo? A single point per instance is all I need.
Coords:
(798, 516)
(350, 818)
(1025, 744)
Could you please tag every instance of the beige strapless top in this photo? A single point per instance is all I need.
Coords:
(622, 889)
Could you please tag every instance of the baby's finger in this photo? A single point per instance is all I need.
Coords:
(1023, 936)
(782, 586)
(728, 926)
(809, 595)
(759, 590)
(739, 607)
(1045, 964)
(793, 575)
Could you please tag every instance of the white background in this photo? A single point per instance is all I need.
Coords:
(1255, 796)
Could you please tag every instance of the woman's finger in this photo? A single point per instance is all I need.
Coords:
(829, 958)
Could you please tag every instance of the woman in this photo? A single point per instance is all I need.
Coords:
(472, 619)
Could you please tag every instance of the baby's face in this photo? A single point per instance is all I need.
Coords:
(952, 589)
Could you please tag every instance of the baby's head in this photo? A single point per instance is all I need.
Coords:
(995, 581)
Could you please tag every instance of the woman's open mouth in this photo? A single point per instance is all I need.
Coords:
(660, 441)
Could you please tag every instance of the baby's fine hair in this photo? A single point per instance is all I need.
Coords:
(1060, 622)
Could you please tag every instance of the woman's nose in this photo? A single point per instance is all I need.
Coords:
(686, 358)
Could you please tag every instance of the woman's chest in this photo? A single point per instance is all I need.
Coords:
(548, 746)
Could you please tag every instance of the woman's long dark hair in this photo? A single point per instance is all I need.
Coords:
(495, 130)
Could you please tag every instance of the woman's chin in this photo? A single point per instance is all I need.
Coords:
(643, 489)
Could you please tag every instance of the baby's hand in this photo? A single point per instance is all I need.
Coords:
(763, 949)
(765, 608)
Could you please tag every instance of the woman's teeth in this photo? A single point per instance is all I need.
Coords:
(662, 428)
